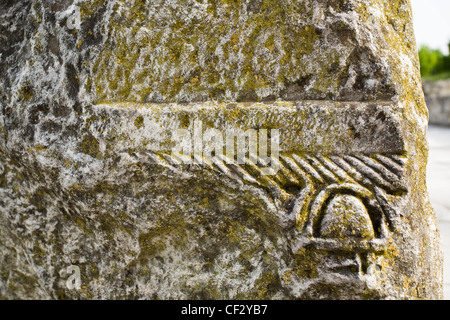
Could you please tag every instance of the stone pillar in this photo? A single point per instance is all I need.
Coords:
(133, 139)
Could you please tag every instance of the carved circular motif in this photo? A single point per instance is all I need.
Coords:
(346, 216)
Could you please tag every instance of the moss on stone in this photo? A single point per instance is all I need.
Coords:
(139, 122)
(90, 146)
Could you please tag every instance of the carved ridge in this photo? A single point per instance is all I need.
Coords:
(317, 178)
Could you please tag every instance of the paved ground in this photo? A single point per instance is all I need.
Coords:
(438, 178)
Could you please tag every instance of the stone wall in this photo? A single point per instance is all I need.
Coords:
(437, 97)
(95, 204)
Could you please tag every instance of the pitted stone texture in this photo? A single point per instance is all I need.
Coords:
(185, 51)
(87, 177)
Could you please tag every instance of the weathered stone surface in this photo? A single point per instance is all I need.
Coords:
(88, 178)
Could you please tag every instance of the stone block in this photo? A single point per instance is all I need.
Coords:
(250, 149)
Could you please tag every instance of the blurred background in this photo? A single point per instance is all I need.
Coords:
(432, 29)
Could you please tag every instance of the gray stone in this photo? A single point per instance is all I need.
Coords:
(96, 96)
(437, 97)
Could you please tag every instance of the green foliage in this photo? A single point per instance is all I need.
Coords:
(437, 77)
(433, 63)
(447, 60)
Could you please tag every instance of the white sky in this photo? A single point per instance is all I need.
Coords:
(432, 23)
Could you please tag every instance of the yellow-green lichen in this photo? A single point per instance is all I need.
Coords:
(139, 122)
(120, 75)
(89, 145)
